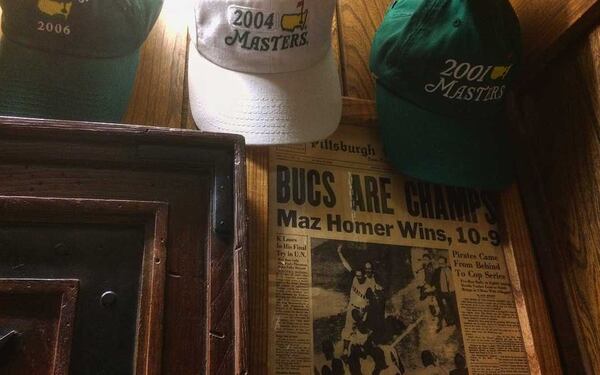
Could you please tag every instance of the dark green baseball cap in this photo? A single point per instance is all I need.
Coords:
(443, 69)
(71, 59)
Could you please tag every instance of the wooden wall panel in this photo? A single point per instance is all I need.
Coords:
(160, 99)
(548, 25)
(158, 95)
(559, 122)
(528, 290)
(257, 165)
(357, 22)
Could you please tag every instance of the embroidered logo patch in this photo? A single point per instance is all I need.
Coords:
(263, 30)
(55, 8)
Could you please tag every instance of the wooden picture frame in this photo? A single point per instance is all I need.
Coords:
(58, 333)
(153, 217)
(186, 190)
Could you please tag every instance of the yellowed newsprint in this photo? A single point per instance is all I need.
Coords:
(375, 274)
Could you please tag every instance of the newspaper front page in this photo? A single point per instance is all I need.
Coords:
(373, 273)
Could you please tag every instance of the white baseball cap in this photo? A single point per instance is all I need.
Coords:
(264, 69)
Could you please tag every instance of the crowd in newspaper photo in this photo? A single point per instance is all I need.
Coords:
(384, 310)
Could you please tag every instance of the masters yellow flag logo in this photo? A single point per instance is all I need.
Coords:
(500, 72)
(55, 7)
(291, 22)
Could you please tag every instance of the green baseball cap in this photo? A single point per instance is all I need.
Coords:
(71, 59)
(443, 69)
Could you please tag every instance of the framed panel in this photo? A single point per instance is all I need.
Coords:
(111, 173)
(47, 219)
(37, 318)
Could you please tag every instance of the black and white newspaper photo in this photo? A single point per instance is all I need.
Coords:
(382, 309)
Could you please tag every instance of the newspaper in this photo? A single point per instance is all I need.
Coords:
(373, 273)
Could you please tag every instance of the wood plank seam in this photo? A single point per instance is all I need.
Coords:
(342, 48)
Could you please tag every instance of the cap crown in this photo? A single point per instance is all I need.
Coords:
(263, 36)
(451, 57)
(86, 28)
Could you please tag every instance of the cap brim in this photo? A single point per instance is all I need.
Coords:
(278, 108)
(443, 150)
(35, 83)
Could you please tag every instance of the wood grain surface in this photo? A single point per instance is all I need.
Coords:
(153, 215)
(200, 177)
(257, 165)
(160, 99)
(559, 122)
(521, 261)
(158, 95)
(550, 25)
(357, 22)
(42, 312)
